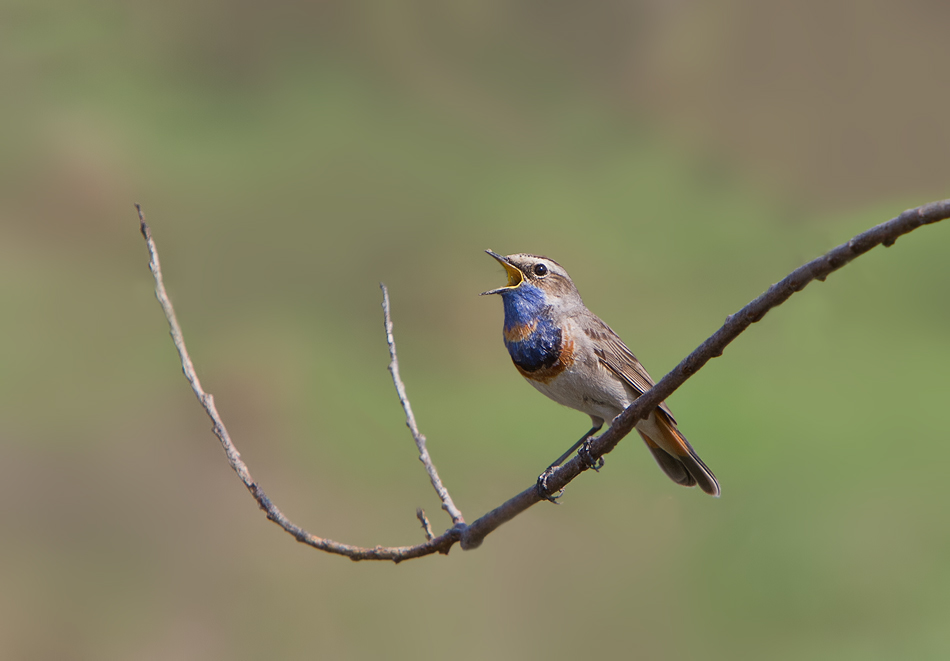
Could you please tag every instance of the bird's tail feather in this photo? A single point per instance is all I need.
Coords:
(677, 458)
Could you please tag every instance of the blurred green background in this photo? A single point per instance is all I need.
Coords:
(676, 157)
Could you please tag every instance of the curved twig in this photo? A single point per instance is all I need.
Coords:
(471, 536)
(440, 544)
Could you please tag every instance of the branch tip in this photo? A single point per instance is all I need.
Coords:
(417, 436)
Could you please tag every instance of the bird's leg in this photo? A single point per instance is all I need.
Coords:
(584, 440)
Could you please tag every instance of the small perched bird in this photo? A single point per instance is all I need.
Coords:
(569, 354)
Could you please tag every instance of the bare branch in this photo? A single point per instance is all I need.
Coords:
(420, 440)
(471, 536)
(818, 269)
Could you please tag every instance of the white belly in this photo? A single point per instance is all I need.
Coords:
(589, 387)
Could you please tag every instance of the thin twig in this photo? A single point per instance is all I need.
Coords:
(471, 536)
(424, 520)
(417, 436)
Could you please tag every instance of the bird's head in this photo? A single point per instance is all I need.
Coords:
(534, 272)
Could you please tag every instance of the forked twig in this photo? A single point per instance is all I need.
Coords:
(471, 536)
(441, 543)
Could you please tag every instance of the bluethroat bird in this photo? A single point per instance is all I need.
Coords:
(569, 354)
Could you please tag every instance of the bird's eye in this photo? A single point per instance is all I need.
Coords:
(540, 270)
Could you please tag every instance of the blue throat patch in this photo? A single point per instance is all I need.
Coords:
(533, 341)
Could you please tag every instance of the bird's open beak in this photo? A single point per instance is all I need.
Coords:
(515, 276)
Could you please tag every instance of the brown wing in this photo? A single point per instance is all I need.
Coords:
(616, 357)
